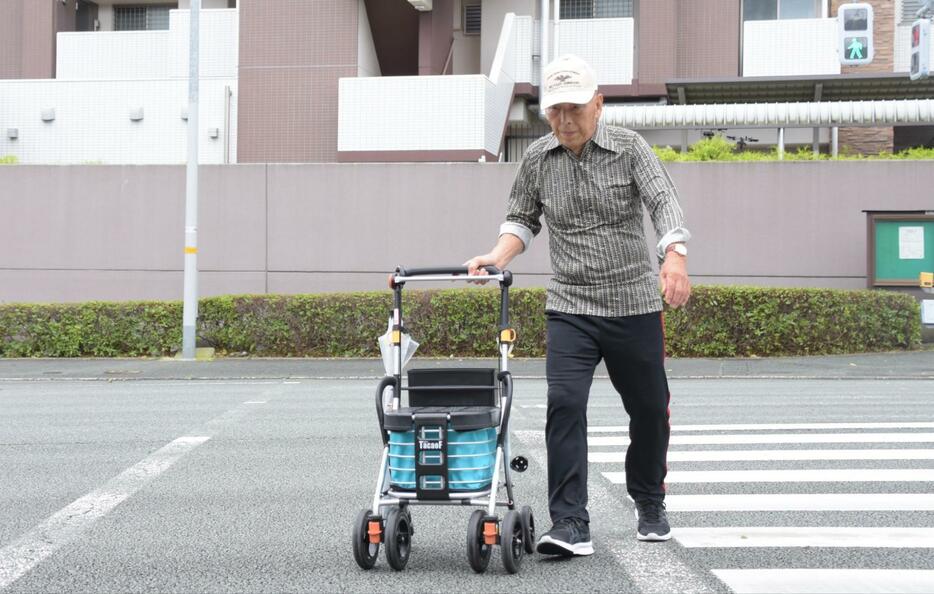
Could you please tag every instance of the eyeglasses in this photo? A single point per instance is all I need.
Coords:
(572, 109)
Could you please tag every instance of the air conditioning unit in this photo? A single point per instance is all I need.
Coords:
(421, 4)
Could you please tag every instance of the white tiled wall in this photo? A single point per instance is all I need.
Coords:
(407, 113)
(109, 55)
(92, 121)
(790, 47)
(499, 88)
(103, 76)
(430, 113)
(526, 44)
(606, 44)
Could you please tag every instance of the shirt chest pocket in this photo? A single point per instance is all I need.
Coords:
(614, 199)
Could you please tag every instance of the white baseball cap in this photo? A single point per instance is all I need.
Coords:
(568, 79)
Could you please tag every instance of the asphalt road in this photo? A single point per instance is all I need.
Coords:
(252, 485)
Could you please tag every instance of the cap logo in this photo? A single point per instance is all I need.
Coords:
(567, 79)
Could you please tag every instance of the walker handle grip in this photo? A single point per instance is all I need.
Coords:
(441, 270)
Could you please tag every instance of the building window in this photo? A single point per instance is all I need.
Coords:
(141, 18)
(768, 10)
(596, 9)
(471, 19)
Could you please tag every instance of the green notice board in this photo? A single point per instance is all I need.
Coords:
(903, 248)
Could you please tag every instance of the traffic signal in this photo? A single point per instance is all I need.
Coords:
(854, 23)
(920, 48)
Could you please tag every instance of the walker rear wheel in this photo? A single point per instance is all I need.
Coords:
(512, 541)
(364, 551)
(528, 528)
(398, 538)
(478, 553)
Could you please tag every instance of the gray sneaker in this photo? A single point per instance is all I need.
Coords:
(568, 537)
(653, 520)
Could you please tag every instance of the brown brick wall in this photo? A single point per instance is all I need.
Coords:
(11, 38)
(656, 24)
(28, 34)
(292, 53)
(872, 140)
(708, 38)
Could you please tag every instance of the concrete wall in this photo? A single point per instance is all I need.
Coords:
(116, 232)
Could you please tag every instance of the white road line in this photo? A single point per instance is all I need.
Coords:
(62, 527)
(256, 402)
(801, 502)
(779, 438)
(810, 475)
(755, 455)
(838, 581)
(775, 427)
(656, 568)
(804, 536)
(59, 529)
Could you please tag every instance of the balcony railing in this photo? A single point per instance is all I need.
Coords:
(463, 117)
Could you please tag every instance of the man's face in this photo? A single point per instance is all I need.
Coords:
(574, 124)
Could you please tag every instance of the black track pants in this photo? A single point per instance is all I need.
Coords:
(633, 349)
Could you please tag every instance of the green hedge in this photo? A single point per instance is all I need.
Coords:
(718, 148)
(718, 322)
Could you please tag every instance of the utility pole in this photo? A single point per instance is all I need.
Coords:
(190, 308)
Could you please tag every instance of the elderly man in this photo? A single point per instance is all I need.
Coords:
(591, 182)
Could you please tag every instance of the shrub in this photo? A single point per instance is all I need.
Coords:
(717, 322)
(718, 148)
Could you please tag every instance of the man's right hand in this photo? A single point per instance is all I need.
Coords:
(475, 267)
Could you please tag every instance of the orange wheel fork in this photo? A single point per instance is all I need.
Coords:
(490, 532)
(374, 531)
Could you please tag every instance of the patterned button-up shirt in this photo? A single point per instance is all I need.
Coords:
(593, 206)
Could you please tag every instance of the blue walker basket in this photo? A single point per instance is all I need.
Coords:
(453, 410)
(470, 454)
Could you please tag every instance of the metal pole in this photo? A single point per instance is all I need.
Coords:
(815, 143)
(543, 53)
(781, 143)
(555, 31)
(834, 141)
(190, 309)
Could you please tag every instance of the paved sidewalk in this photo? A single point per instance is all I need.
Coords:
(899, 365)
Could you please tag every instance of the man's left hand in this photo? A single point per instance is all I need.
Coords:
(676, 286)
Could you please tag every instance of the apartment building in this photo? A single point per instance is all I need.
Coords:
(439, 80)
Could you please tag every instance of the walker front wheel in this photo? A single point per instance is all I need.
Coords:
(398, 538)
(478, 552)
(365, 550)
(512, 541)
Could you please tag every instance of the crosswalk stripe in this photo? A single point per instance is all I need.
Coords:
(810, 475)
(804, 536)
(775, 427)
(839, 581)
(802, 502)
(753, 455)
(779, 438)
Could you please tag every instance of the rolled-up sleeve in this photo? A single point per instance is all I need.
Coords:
(524, 208)
(659, 196)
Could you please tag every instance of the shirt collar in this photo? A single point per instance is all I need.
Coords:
(601, 138)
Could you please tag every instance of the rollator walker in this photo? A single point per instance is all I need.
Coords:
(448, 446)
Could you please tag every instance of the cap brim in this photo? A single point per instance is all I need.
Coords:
(578, 97)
